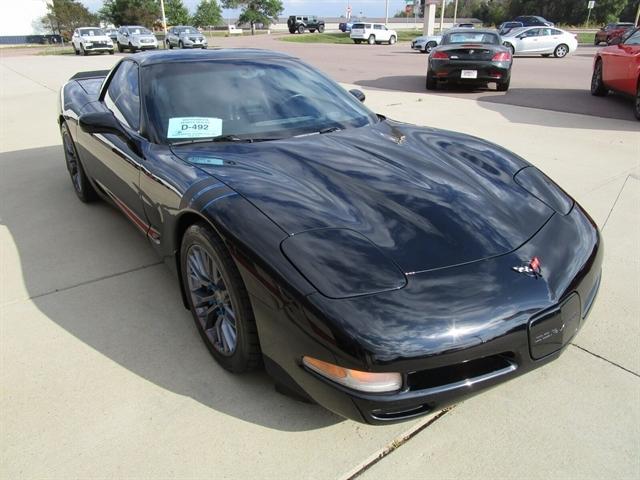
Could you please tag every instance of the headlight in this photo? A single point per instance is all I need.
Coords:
(369, 382)
(342, 263)
(544, 189)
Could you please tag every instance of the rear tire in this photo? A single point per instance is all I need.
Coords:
(224, 318)
(120, 48)
(596, 42)
(81, 184)
(371, 40)
(321, 29)
(510, 47)
(598, 88)
(432, 83)
(503, 86)
(180, 45)
(392, 40)
(561, 51)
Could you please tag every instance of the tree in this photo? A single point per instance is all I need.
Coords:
(256, 11)
(176, 13)
(208, 13)
(131, 12)
(64, 16)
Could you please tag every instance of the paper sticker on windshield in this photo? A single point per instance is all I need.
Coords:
(194, 127)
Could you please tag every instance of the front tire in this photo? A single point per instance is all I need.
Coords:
(392, 40)
(321, 29)
(218, 300)
(598, 88)
(371, 40)
(636, 108)
(429, 46)
(300, 29)
(120, 48)
(180, 45)
(83, 51)
(561, 51)
(81, 185)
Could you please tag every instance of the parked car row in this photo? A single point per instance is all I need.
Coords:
(545, 41)
(133, 38)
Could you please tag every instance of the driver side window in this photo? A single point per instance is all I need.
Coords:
(123, 95)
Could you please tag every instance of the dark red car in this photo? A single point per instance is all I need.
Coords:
(617, 67)
(611, 31)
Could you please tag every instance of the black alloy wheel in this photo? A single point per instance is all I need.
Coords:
(81, 185)
(218, 300)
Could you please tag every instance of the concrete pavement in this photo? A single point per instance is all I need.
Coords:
(103, 375)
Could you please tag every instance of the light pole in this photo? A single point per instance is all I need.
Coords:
(444, 2)
(455, 12)
(386, 12)
(164, 19)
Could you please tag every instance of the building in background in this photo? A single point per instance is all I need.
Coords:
(20, 22)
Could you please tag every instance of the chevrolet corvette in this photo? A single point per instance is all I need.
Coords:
(380, 269)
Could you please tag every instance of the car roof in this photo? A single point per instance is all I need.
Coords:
(177, 56)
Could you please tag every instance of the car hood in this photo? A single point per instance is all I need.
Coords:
(96, 38)
(426, 198)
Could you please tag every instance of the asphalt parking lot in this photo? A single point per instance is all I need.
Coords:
(102, 371)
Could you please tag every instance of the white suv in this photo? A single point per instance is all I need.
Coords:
(372, 33)
(136, 38)
(91, 39)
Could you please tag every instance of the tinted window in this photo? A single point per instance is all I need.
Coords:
(377, 27)
(555, 32)
(90, 32)
(633, 39)
(534, 32)
(470, 37)
(271, 98)
(358, 25)
(124, 96)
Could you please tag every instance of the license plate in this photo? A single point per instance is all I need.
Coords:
(469, 74)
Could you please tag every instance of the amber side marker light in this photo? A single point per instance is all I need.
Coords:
(369, 382)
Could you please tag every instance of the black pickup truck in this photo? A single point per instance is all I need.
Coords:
(300, 23)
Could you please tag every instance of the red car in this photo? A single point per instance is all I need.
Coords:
(617, 67)
(611, 31)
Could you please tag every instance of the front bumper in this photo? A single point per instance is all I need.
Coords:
(451, 333)
(448, 71)
(194, 44)
(98, 48)
(417, 46)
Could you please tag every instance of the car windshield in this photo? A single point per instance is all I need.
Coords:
(91, 32)
(471, 37)
(139, 31)
(245, 100)
(188, 30)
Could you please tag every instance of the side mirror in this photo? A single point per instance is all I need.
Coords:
(359, 94)
(615, 41)
(100, 122)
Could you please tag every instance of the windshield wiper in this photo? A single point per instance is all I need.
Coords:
(220, 138)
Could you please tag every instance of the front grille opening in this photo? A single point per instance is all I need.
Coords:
(451, 374)
(408, 412)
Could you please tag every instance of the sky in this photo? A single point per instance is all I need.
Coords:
(325, 8)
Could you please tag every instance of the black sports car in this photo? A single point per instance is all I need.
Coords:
(470, 57)
(380, 269)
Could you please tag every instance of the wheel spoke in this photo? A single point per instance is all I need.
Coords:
(211, 300)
